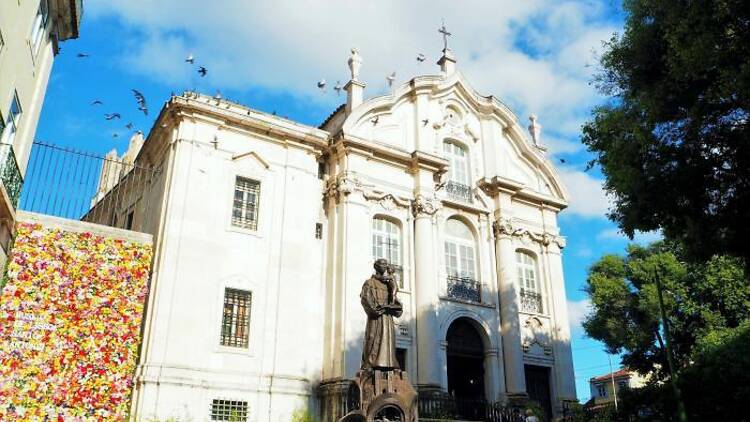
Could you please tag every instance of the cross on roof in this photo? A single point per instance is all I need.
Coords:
(444, 31)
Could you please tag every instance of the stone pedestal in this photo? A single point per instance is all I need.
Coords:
(384, 395)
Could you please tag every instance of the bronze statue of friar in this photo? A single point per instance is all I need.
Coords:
(379, 298)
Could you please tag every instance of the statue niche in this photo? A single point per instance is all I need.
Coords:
(385, 393)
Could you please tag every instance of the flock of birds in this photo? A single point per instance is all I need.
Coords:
(390, 79)
(140, 99)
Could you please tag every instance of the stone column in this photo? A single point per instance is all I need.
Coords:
(430, 363)
(515, 381)
(561, 346)
(491, 375)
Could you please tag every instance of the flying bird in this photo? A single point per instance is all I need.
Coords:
(96, 102)
(112, 116)
(202, 71)
(375, 120)
(189, 58)
(115, 135)
(562, 160)
(390, 78)
(338, 88)
(421, 57)
(425, 121)
(322, 85)
(129, 126)
(141, 100)
(82, 55)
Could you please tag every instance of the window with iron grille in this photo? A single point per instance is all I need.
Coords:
(528, 280)
(228, 410)
(235, 321)
(245, 207)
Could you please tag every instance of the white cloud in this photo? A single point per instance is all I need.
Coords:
(577, 311)
(641, 238)
(587, 195)
(532, 54)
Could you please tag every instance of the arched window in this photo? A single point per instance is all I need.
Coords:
(386, 243)
(460, 261)
(459, 182)
(528, 281)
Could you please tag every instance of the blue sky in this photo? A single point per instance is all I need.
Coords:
(537, 56)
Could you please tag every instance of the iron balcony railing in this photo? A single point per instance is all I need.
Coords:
(10, 174)
(464, 288)
(531, 301)
(458, 191)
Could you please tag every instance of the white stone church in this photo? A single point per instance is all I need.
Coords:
(265, 230)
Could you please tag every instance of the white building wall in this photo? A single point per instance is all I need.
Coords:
(307, 322)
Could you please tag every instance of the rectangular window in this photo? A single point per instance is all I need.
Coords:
(39, 28)
(318, 230)
(229, 410)
(401, 358)
(12, 120)
(602, 391)
(245, 207)
(235, 320)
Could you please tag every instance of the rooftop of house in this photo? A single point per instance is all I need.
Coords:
(621, 373)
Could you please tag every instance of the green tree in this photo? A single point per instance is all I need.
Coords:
(673, 142)
(699, 299)
(708, 311)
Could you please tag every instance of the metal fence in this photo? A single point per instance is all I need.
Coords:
(78, 185)
(446, 408)
(464, 288)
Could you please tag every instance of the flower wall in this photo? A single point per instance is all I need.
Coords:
(70, 319)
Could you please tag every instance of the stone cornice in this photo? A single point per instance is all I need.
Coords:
(497, 184)
(347, 183)
(414, 160)
(506, 227)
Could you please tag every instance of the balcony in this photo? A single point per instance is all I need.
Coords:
(464, 288)
(458, 191)
(531, 301)
(10, 174)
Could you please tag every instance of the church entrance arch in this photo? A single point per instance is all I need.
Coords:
(465, 355)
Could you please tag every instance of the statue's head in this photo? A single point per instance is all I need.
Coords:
(381, 265)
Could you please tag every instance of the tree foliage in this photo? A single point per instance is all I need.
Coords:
(700, 299)
(708, 309)
(674, 141)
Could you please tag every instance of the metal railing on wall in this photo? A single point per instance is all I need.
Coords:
(79, 185)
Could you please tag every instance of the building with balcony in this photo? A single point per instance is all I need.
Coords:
(30, 33)
(265, 230)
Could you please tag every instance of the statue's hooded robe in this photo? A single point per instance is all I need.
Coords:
(380, 334)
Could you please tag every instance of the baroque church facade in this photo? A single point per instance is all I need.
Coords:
(265, 230)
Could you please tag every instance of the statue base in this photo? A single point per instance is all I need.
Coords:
(384, 395)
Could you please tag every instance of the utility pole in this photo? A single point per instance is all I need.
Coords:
(681, 413)
(612, 376)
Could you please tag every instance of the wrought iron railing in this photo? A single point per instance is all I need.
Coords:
(79, 185)
(531, 301)
(10, 174)
(447, 408)
(458, 191)
(464, 288)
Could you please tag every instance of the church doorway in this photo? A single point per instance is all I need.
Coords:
(465, 361)
(538, 387)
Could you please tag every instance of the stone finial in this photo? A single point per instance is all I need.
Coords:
(354, 88)
(535, 129)
(355, 62)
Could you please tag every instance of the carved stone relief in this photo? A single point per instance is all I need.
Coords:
(536, 337)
